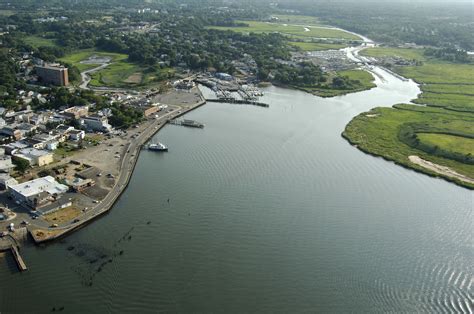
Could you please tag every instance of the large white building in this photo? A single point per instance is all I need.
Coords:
(38, 192)
(97, 123)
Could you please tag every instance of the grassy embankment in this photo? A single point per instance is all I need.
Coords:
(120, 73)
(441, 133)
(311, 38)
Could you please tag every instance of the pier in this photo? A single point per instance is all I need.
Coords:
(239, 102)
(188, 123)
(19, 260)
(9, 243)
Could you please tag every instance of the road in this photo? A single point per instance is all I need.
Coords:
(128, 161)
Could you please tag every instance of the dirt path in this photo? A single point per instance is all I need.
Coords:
(446, 171)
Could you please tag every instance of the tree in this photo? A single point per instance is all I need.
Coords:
(21, 165)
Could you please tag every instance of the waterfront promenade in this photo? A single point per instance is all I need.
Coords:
(43, 233)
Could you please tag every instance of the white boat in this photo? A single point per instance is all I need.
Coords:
(158, 147)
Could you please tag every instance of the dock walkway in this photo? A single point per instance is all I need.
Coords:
(19, 260)
(239, 101)
(9, 243)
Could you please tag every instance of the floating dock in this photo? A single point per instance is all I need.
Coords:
(188, 123)
(239, 102)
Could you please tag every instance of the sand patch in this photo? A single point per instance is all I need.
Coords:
(135, 78)
(440, 169)
(95, 59)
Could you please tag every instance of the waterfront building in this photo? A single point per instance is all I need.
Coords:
(38, 192)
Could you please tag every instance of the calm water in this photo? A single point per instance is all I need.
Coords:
(269, 210)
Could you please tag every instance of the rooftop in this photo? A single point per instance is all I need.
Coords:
(33, 187)
(33, 152)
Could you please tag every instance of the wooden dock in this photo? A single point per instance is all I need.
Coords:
(19, 260)
(239, 101)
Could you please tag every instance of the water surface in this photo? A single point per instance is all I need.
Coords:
(264, 210)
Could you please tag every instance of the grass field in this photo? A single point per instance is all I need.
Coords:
(380, 52)
(63, 215)
(377, 131)
(365, 78)
(448, 92)
(444, 84)
(291, 30)
(449, 101)
(440, 73)
(78, 56)
(37, 41)
(464, 89)
(452, 143)
(296, 19)
(310, 46)
(118, 74)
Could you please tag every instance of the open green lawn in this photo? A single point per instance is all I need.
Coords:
(452, 143)
(78, 56)
(310, 46)
(377, 132)
(405, 53)
(37, 41)
(292, 30)
(118, 74)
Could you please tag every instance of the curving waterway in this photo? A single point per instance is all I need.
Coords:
(265, 210)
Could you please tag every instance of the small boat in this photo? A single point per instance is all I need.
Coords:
(159, 147)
